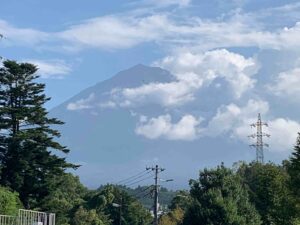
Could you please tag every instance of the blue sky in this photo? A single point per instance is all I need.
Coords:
(250, 49)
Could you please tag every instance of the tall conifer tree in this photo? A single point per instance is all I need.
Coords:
(27, 139)
(294, 171)
(295, 166)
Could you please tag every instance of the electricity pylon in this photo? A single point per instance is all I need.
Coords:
(259, 145)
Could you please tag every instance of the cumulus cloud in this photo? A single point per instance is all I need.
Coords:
(284, 133)
(233, 118)
(51, 68)
(192, 72)
(84, 103)
(186, 129)
(235, 121)
(233, 67)
(287, 84)
(164, 94)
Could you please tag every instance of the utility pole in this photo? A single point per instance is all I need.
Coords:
(259, 145)
(156, 170)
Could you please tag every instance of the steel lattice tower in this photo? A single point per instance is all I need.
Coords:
(259, 145)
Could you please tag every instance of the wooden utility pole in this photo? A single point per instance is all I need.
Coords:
(156, 170)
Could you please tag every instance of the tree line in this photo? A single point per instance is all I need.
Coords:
(247, 194)
(33, 175)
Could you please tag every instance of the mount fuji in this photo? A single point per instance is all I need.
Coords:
(145, 115)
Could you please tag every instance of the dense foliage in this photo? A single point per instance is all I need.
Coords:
(268, 186)
(9, 202)
(218, 197)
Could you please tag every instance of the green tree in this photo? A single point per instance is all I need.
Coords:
(294, 168)
(89, 217)
(9, 202)
(181, 200)
(67, 194)
(175, 217)
(132, 211)
(219, 198)
(269, 191)
(27, 139)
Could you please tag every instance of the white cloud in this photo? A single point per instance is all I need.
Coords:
(232, 118)
(21, 36)
(85, 103)
(165, 3)
(284, 133)
(129, 29)
(235, 121)
(51, 68)
(192, 71)
(164, 94)
(126, 31)
(235, 68)
(287, 84)
(162, 127)
(116, 32)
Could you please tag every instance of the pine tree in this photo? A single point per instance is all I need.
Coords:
(294, 172)
(294, 168)
(27, 139)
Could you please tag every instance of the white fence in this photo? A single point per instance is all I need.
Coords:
(7, 220)
(28, 217)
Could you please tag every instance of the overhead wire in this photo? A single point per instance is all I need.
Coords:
(131, 177)
(142, 191)
(140, 180)
(135, 178)
(146, 195)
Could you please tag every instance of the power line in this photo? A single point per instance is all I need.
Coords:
(139, 180)
(143, 191)
(136, 178)
(145, 195)
(126, 179)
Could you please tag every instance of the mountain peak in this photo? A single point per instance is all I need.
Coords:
(141, 74)
(140, 65)
(133, 77)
